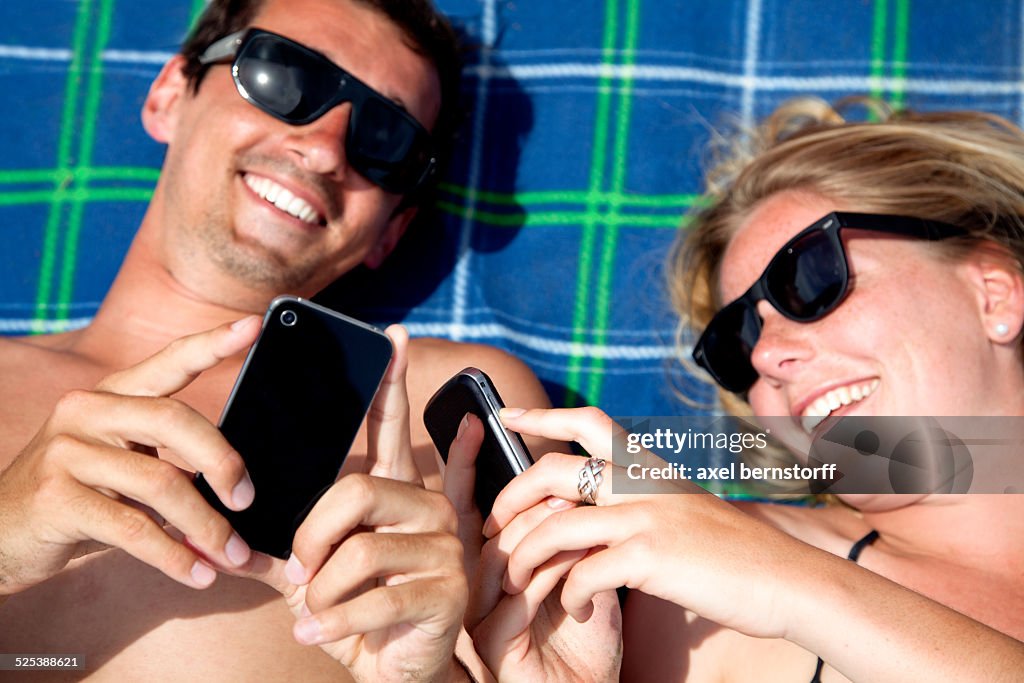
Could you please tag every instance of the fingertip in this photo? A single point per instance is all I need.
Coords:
(308, 631)
(462, 427)
(490, 527)
(244, 493)
(295, 571)
(399, 337)
(240, 334)
(243, 324)
(202, 574)
(510, 413)
(397, 333)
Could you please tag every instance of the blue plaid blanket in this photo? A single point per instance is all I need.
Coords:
(582, 151)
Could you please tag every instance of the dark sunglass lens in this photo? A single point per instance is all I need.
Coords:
(727, 344)
(808, 278)
(284, 80)
(385, 146)
(381, 133)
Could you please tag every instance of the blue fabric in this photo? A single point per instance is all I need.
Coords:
(582, 150)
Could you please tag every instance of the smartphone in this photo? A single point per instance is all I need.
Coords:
(503, 454)
(293, 413)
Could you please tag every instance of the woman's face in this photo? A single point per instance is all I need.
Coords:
(909, 339)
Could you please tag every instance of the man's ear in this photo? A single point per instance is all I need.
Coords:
(1000, 286)
(389, 237)
(160, 110)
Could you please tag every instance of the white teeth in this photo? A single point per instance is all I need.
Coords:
(809, 422)
(832, 400)
(283, 199)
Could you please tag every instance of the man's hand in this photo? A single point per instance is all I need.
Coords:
(376, 575)
(527, 636)
(92, 477)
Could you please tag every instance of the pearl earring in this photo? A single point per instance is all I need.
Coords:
(1002, 329)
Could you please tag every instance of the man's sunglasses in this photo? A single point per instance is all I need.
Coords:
(805, 281)
(297, 85)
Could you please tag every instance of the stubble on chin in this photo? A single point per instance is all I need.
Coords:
(250, 263)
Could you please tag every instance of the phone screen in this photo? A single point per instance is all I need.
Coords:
(502, 455)
(294, 411)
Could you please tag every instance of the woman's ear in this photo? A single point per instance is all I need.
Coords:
(1000, 285)
(160, 110)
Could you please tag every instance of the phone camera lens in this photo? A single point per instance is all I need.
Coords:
(289, 318)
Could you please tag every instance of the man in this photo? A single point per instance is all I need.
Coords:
(250, 204)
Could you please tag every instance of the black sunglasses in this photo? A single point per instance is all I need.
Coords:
(298, 85)
(805, 281)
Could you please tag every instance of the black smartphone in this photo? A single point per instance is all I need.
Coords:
(503, 454)
(294, 411)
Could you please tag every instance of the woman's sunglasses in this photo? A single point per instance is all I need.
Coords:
(805, 281)
(297, 85)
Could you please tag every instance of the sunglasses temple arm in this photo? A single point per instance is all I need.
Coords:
(225, 48)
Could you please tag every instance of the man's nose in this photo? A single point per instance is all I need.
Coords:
(320, 145)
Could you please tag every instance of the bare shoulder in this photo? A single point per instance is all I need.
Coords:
(433, 361)
(36, 374)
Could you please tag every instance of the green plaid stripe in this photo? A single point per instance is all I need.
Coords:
(889, 49)
(74, 153)
(595, 221)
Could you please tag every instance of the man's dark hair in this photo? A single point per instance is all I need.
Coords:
(427, 32)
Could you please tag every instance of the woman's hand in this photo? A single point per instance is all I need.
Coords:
(676, 542)
(527, 636)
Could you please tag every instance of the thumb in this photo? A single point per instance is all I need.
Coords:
(387, 424)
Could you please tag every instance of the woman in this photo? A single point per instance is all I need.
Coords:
(927, 320)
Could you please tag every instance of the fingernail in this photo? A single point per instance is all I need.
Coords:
(556, 503)
(305, 610)
(237, 550)
(202, 574)
(462, 426)
(244, 493)
(295, 572)
(490, 527)
(239, 324)
(511, 413)
(307, 631)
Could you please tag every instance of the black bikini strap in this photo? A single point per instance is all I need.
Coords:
(855, 551)
(853, 555)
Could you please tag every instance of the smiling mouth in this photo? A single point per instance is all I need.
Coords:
(283, 199)
(833, 400)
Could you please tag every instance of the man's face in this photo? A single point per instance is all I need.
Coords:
(229, 165)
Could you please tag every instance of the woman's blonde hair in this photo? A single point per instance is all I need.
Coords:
(965, 168)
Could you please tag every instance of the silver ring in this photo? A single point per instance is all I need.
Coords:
(590, 478)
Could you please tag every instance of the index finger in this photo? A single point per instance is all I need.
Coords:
(361, 500)
(176, 365)
(589, 427)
